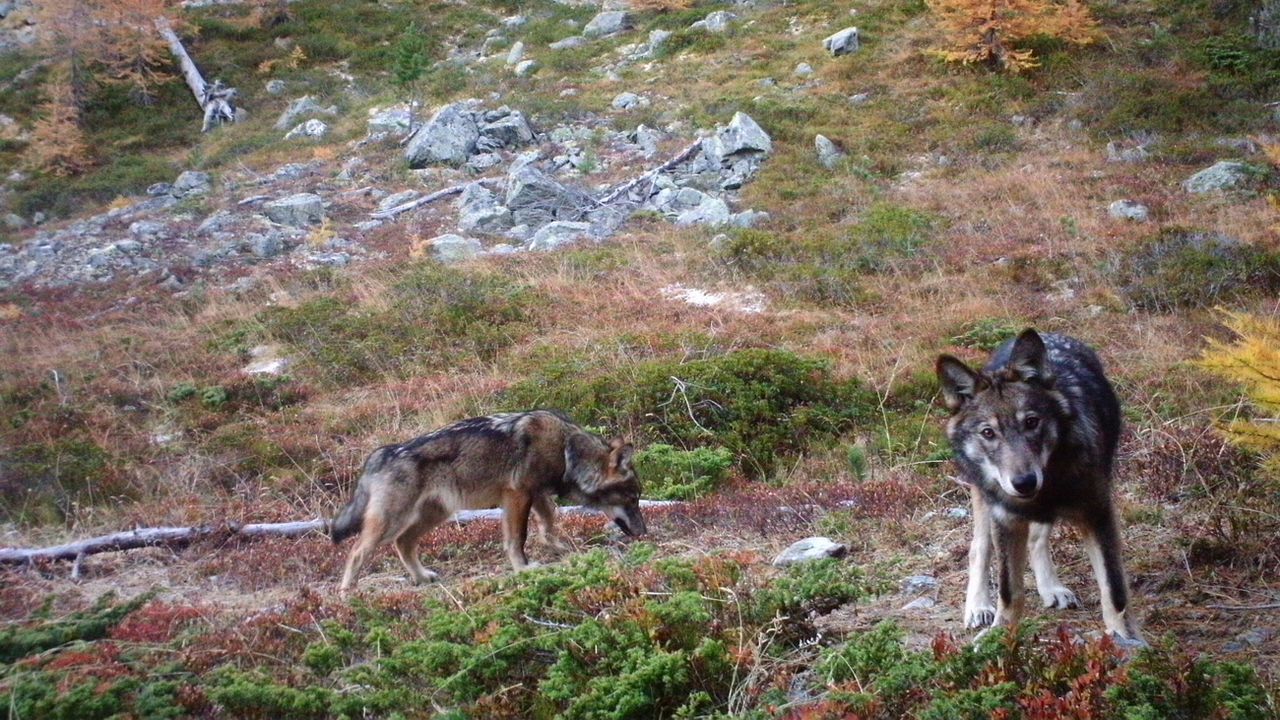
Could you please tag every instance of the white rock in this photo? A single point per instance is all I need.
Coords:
(716, 22)
(526, 68)
(1222, 175)
(516, 54)
(449, 137)
(829, 154)
(842, 43)
(311, 129)
(608, 23)
(298, 210)
(1129, 210)
(568, 43)
(804, 69)
(452, 248)
(558, 234)
(809, 549)
(629, 100)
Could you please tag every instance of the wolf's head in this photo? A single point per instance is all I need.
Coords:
(605, 479)
(1005, 423)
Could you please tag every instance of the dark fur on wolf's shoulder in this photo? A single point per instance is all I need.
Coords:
(1091, 420)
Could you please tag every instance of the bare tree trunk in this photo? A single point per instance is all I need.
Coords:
(175, 537)
(216, 101)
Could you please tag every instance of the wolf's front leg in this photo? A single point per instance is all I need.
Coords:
(1011, 547)
(545, 507)
(979, 611)
(1102, 544)
(1052, 592)
(515, 526)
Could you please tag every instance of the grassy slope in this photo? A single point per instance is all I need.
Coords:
(869, 270)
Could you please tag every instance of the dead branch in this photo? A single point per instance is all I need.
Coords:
(626, 187)
(418, 202)
(176, 537)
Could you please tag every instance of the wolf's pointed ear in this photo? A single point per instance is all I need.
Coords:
(959, 383)
(622, 452)
(1029, 359)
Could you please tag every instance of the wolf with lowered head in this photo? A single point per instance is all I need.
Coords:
(519, 462)
(1035, 434)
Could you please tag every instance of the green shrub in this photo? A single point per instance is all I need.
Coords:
(44, 482)
(762, 405)
(987, 333)
(1189, 268)
(671, 474)
(20, 640)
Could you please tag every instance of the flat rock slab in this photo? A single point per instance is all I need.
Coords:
(810, 549)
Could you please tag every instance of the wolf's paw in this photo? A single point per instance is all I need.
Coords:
(979, 616)
(1059, 597)
(427, 576)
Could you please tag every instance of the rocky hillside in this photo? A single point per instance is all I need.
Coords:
(736, 233)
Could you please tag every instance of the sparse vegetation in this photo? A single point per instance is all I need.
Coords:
(1188, 268)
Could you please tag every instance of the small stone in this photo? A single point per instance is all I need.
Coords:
(1129, 210)
(395, 199)
(275, 87)
(920, 603)
(516, 53)
(809, 549)
(860, 99)
(917, 584)
(526, 68)
(803, 70)
(843, 42)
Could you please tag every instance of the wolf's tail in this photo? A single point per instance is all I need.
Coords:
(350, 518)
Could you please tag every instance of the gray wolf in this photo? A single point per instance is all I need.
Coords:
(1035, 434)
(517, 461)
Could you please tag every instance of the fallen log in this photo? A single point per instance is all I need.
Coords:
(217, 102)
(418, 202)
(176, 537)
(626, 187)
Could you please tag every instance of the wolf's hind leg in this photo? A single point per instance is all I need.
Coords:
(371, 536)
(545, 507)
(406, 545)
(1052, 592)
(979, 611)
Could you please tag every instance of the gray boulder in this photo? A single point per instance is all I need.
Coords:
(394, 120)
(395, 199)
(480, 211)
(312, 129)
(449, 137)
(843, 42)
(742, 134)
(829, 154)
(711, 211)
(608, 23)
(568, 43)
(526, 68)
(535, 198)
(628, 100)
(1129, 210)
(300, 108)
(191, 183)
(716, 22)
(454, 248)
(510, 131)
(810, 549)
(298, 210)
(1222, 175)
(558, 234)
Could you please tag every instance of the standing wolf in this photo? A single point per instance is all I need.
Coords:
(1035, 436)
(516, 461)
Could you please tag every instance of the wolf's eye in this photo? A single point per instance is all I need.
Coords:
(1031, 423)
(988, 433)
